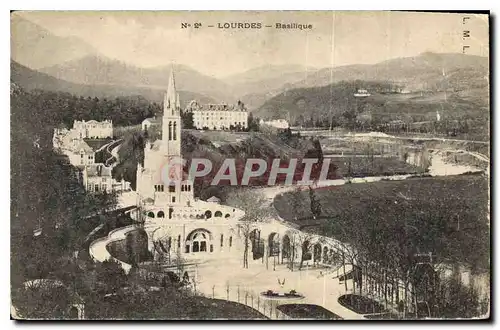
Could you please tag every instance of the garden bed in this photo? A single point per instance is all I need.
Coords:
(281, 295)
(307, 311)
(360, 304)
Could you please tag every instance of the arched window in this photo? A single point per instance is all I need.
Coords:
(218, 214)
(227, 215)
(175, 130)
(221, 240)
(169, 130)
(230, 241)
(161, 214)
(151, 215)
(179, 241)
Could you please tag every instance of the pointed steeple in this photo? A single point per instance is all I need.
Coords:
(170, 98)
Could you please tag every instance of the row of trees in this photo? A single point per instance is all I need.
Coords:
(51, 213)
(393, 257)
(64, 108)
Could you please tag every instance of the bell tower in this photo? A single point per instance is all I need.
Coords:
(171, 131)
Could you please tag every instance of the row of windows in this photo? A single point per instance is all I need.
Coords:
(222, 240)
(97, 187)
(172, 130)
(197, 245)
(161, 188)
(171, 188)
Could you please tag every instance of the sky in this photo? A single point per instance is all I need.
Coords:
(148, 39)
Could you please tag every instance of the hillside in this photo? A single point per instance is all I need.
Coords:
(30, 79)
(419, 73)
(264, 81)
(35, 47)
(208, 145)
(422, 72)
(100, 70)
(462, 94)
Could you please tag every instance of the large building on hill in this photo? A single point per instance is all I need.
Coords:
(174, 219)
(219, 116)
(93, 129)
(81, 152)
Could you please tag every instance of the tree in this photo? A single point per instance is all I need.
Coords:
(256, 210)
(253, 123)
(187, 119)
(296, 202)
(315, 204)
(111, 274)
(302, 240)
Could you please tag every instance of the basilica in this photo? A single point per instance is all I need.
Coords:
(176, 221)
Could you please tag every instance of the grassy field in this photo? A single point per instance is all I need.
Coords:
(365, 166)
(171, 305)
(460, 203)
(220, 136)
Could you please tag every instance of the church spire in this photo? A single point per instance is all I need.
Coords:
(170, 98)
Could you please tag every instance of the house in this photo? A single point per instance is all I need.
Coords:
(149, 122)
(98, 178)
(277, 123)
(93, 129)
(219, 116)
(79, 152)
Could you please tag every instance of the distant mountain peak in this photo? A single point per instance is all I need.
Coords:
(36, 47)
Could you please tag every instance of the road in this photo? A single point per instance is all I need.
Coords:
(327, 133)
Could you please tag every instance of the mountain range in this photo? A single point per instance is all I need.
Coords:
(46, 61)
(30, 79)
(36, 47)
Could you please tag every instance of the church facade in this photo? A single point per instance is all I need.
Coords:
(176, 221)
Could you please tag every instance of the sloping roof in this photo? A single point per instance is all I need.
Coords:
(82, 145)
(98, 170)
(213, 199)
(152, 120)
(96, 144)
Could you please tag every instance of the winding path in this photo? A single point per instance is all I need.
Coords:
(220, 280)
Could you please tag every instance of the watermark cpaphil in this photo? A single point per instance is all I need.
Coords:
(252, 171)
(172, 170)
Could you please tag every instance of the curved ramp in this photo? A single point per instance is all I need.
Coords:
(100, 253)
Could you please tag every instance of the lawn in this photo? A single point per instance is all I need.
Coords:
(307, 311)
(360, 304)
(377, 166)
(455, 208)
(169, 305)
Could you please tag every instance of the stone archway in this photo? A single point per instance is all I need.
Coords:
(151, 214)
(286, 250)
(161, 214)
(198, 241)
(273, 242)
(208, 214)
(306, 251)
(257, 244)
(317, 253)
(325, 255)
(218, 214)
(73, 313)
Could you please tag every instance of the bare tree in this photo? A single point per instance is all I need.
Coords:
(256, 210)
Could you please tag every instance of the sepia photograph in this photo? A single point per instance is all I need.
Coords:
(250, 165)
